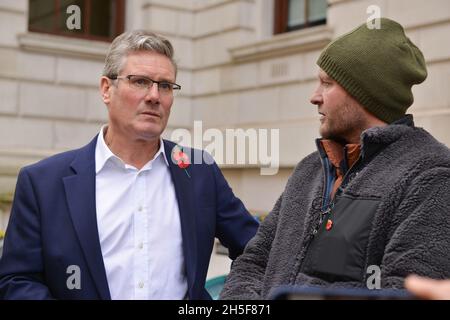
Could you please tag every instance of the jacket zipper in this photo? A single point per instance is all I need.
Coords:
(323, 204)
(310, 236)
(323, 213)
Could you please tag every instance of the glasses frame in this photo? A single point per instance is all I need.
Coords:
(175, 87)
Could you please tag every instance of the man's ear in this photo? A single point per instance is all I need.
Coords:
(105, 89)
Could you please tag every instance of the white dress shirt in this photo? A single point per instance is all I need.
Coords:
(139, 227)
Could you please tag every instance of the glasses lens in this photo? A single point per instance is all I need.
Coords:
(144, 83)
(139, 82)
(165, 88)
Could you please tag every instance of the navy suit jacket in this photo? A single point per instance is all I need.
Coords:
(53, 225)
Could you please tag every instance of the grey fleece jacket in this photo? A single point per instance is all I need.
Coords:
(406, 171)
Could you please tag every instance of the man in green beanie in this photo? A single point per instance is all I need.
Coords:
(372, 204)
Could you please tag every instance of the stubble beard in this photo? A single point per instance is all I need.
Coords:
(345, 124)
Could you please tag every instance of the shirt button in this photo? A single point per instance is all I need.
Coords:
(141, 245)
(140, 208)
(141, 285)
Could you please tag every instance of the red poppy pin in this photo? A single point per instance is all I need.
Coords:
(329, 225)
(181, 158)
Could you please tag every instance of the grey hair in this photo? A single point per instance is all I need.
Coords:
(138, 40)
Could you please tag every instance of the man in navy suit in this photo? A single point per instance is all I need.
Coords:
(128, 216)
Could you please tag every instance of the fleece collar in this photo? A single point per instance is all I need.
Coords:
(375, 139)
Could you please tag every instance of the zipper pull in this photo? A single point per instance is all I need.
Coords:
(329, 223)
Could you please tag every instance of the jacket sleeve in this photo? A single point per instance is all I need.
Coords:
(421, 242)
(235, 225)
(245, 280)
(21, 266)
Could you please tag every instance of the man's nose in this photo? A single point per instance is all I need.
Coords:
(153, 93)
(316, 97)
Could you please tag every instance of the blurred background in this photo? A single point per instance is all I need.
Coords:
(242, 64)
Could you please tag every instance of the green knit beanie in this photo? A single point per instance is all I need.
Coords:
(377, 67)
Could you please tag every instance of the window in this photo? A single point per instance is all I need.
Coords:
(297, 14)
(99, 19)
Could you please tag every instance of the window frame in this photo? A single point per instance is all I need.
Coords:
(119, 23)
(281, 18)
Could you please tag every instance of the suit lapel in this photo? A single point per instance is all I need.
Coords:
(80, 194)
(182, 180)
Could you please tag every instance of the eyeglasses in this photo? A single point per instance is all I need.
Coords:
(143, 83)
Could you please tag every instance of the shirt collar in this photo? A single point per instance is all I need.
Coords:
(103, 153)
(336, 152)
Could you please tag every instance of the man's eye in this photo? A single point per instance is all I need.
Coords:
(142, 82)
(165, 86)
